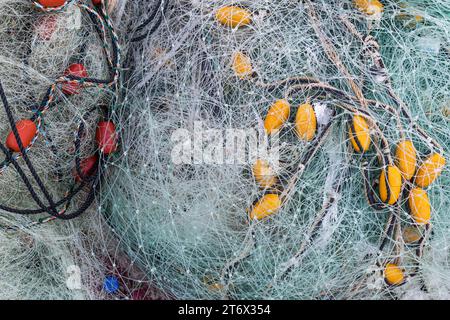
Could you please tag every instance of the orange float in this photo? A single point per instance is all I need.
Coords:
(106, 137)
(51, 3)
(77, 70)
(88, 167)
(27, 130)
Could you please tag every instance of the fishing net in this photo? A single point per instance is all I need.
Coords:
(58, 79)
(259, 149)
(322, 215)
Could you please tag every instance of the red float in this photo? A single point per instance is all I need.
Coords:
(51, 3)
(106, 137)
(77, 70)
(88, 167)
(46, 26)
(27, 131)
(141, 294)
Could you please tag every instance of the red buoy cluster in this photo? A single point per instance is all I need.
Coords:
(87, 173)
(106, 136)
(106, 139)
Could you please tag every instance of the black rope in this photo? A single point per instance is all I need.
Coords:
(149, 20)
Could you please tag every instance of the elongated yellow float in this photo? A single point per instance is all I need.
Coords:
(394, 179)
(393, 274)
(406, 158)
(419, 206)
(264, 174)
(370, 7)
(360, 134)
(306, 122)
(430, 169)
(409, 20)
(277, 116)
(242, 65)
(233, 16)
(411, 234)
(215, 287)
(268, 205)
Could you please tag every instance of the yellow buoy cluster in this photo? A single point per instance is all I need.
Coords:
(369, 7)
(422, 177)
(305, 119)
(305, 127)
(278, 114)
(405, 168)
(391, 181)
(427, 173)
(419, 177)
(235, 17)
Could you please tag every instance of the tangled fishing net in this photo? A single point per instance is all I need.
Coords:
(59, 80)
(268, 149)
(314, 225)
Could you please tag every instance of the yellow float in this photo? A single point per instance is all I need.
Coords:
(306, 122)
(405, 156)
(264, 174)
(242, 65)
(393, 274)
(268, 205)
(419, 206)
(232, 16)
(394, 183)
(277, 116)
(360, 134)
(430, 169)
